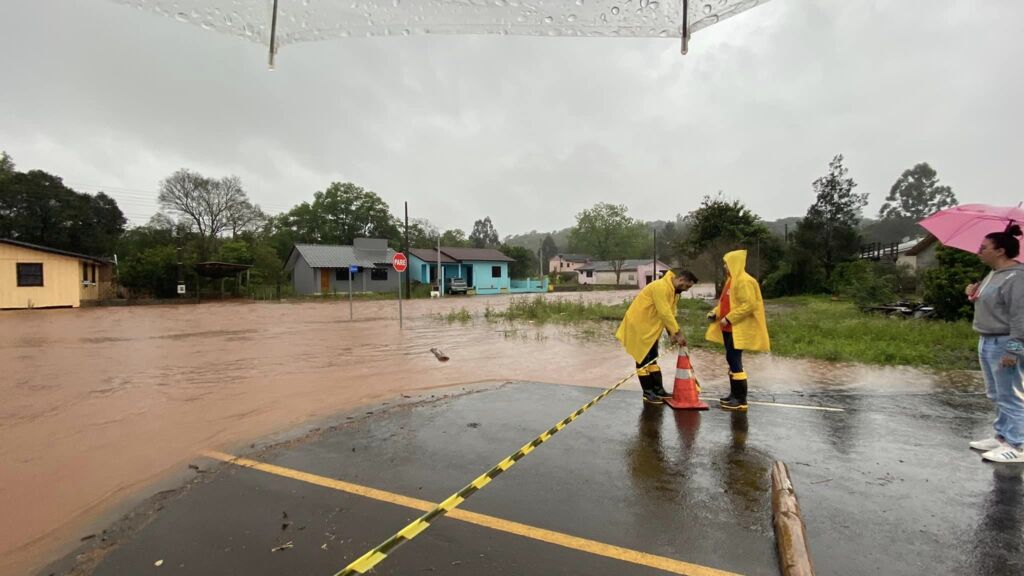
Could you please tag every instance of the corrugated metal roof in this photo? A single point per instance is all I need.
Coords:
(334, 256)
(476, 254)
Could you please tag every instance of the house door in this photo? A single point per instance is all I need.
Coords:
(325, 280)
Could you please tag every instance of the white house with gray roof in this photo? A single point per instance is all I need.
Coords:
(325, 268)
(631, 272)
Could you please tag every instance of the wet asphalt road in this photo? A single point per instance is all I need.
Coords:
(886, 487)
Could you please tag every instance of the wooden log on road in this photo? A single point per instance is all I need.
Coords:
(790, 531)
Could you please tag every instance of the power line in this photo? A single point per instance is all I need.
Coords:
(140, 198)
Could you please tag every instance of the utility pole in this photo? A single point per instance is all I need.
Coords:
(181, 273)
(408, 293)
(654, 264)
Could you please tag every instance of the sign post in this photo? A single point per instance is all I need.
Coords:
(400, 263)
(351, 270)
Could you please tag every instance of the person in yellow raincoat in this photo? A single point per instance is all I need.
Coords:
(738, 322)
(653, 311)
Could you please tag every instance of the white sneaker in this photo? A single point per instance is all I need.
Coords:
(1006, 453)
(987, 444)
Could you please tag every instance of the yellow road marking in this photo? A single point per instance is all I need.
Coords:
(549, 536)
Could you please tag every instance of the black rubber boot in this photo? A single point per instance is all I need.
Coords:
(647, 383)
(658, 386)
(739, 400)
(732, 392)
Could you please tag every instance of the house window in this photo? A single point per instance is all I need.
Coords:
(590, 273)
(631, 278)
(379, 274)
(93, 273)
(85, 272)
(495, 271)
(30, 274)
(341, 274)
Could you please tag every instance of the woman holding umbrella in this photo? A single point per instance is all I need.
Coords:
(999, 320)
(998, 312)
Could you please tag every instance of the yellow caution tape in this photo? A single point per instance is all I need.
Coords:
(367, 561)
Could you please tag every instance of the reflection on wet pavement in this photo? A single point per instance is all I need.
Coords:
(101, 402)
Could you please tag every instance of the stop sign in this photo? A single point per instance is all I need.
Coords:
(400, 262)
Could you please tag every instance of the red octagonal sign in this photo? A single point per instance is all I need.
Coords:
(400, 262)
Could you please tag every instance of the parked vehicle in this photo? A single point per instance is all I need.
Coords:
(456, 286)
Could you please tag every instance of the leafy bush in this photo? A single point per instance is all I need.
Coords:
(944, 285)
(865, 282)
(153, 271)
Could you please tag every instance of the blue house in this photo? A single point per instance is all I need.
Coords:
(485, 269)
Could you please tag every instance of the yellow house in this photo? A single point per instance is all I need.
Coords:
(34, 276)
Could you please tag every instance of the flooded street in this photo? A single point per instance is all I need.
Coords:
(99, 404)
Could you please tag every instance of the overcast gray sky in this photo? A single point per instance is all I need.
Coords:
(526, 130)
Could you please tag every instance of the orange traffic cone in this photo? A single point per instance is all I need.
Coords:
(684, 391)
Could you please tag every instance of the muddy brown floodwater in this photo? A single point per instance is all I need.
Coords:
(100, 405)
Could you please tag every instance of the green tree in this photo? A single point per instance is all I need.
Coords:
(483, 235)
(829, 234)
(548, 250)
(865, 281)
(267, 269)
(6, 164)
(669, 238)
(525, 265)
(944, 285)
(339, 215)
(718, 226)
(235, 252)
(37, 207)
(422, 234)
(153, 271)
(607, 232)
(454, 238)
(917, 194)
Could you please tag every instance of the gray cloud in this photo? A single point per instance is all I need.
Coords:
(526, 130)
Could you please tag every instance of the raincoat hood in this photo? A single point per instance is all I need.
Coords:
(746, 308)
(736, 262)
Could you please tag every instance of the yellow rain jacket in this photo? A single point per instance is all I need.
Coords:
(746, 308)
(653, 310)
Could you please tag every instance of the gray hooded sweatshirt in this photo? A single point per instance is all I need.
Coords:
(999, 308)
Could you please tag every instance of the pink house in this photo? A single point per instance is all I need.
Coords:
(567, 262)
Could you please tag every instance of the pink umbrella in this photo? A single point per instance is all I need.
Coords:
(965, 226)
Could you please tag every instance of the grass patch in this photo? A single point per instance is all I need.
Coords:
(540, 309)
(838, 331)
(821, 328)
(461, 315)
(800, 327)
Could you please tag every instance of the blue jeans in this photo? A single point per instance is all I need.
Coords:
(733, 356)
(1003, 386)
